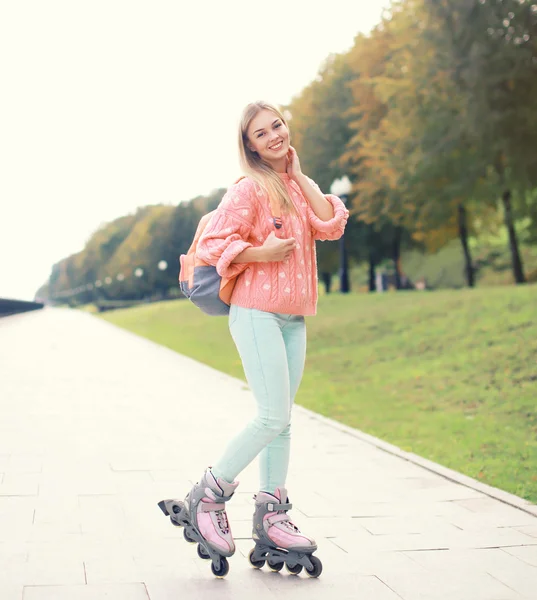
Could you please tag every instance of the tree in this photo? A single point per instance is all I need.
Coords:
(320, 131)
(378, 154)
(492, 47)
(117, 249)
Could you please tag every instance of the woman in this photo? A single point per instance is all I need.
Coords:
(263, 233)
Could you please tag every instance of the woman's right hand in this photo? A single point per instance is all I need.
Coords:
(276, 249)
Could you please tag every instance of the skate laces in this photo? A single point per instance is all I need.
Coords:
(221, 519)
(290, 525)
(218, 509)
(282, 517)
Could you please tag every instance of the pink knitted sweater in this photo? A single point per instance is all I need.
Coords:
(244, 219)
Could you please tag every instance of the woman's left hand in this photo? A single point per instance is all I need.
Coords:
(293, 164)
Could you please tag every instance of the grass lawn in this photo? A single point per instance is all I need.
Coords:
(449, 375)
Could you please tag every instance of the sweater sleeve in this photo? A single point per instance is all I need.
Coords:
(333, 228)
(228, 231)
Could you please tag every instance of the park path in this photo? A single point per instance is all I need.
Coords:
(97, 425)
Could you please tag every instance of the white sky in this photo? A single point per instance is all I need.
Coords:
(113, 104)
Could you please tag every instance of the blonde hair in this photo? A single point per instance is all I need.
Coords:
(256, 168)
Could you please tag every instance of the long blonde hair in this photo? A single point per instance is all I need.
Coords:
(256, 168)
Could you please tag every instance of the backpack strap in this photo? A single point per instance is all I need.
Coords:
(274, 209)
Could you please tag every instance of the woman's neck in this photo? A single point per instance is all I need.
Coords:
(280, 166)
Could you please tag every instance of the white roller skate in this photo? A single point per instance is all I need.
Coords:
(278, 541)
(203, 516)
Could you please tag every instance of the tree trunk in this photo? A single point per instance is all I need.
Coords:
(327, 281)
(463, 234)
(396, 256)
(518, 270)
(372, 272)
(344, 283)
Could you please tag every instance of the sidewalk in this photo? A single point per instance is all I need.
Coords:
(98, 425)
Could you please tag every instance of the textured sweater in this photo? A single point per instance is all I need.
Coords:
(243, 220)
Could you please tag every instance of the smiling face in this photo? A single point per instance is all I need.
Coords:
(269, 137)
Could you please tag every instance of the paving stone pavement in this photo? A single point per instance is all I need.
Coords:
(97, 425)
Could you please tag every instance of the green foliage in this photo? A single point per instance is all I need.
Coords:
(418, 369)
(445, 268)
(319, 126)
(320, 131)
(441, 269)
(494, 50)
(118, 249)
(443, 117)
(491, 47)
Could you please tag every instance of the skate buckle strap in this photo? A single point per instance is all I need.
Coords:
(211, 506)
(278, 518)
(274, 506)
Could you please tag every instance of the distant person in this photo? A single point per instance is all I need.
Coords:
(263, 233)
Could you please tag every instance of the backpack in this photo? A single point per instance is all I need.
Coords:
(201, 283)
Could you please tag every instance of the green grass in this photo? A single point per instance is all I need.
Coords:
(91, 308)
(449, 375)
(446, 268)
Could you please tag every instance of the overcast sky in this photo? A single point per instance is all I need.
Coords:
(110, 105)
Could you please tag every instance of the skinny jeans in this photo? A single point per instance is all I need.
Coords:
(272, 347)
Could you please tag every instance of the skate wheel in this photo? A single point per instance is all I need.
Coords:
(317, 567)
(202, 553)
(294, 570)
(275, 566)
(175, 523)
(188, 538)
(223, 568)
(257, 564)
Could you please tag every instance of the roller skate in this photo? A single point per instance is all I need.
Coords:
(278, 541)
(202, 515)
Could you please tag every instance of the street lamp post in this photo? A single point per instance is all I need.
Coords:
(138, 273)
(161, 286)
(342, 188)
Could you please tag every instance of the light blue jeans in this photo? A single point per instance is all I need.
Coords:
(272, 347)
